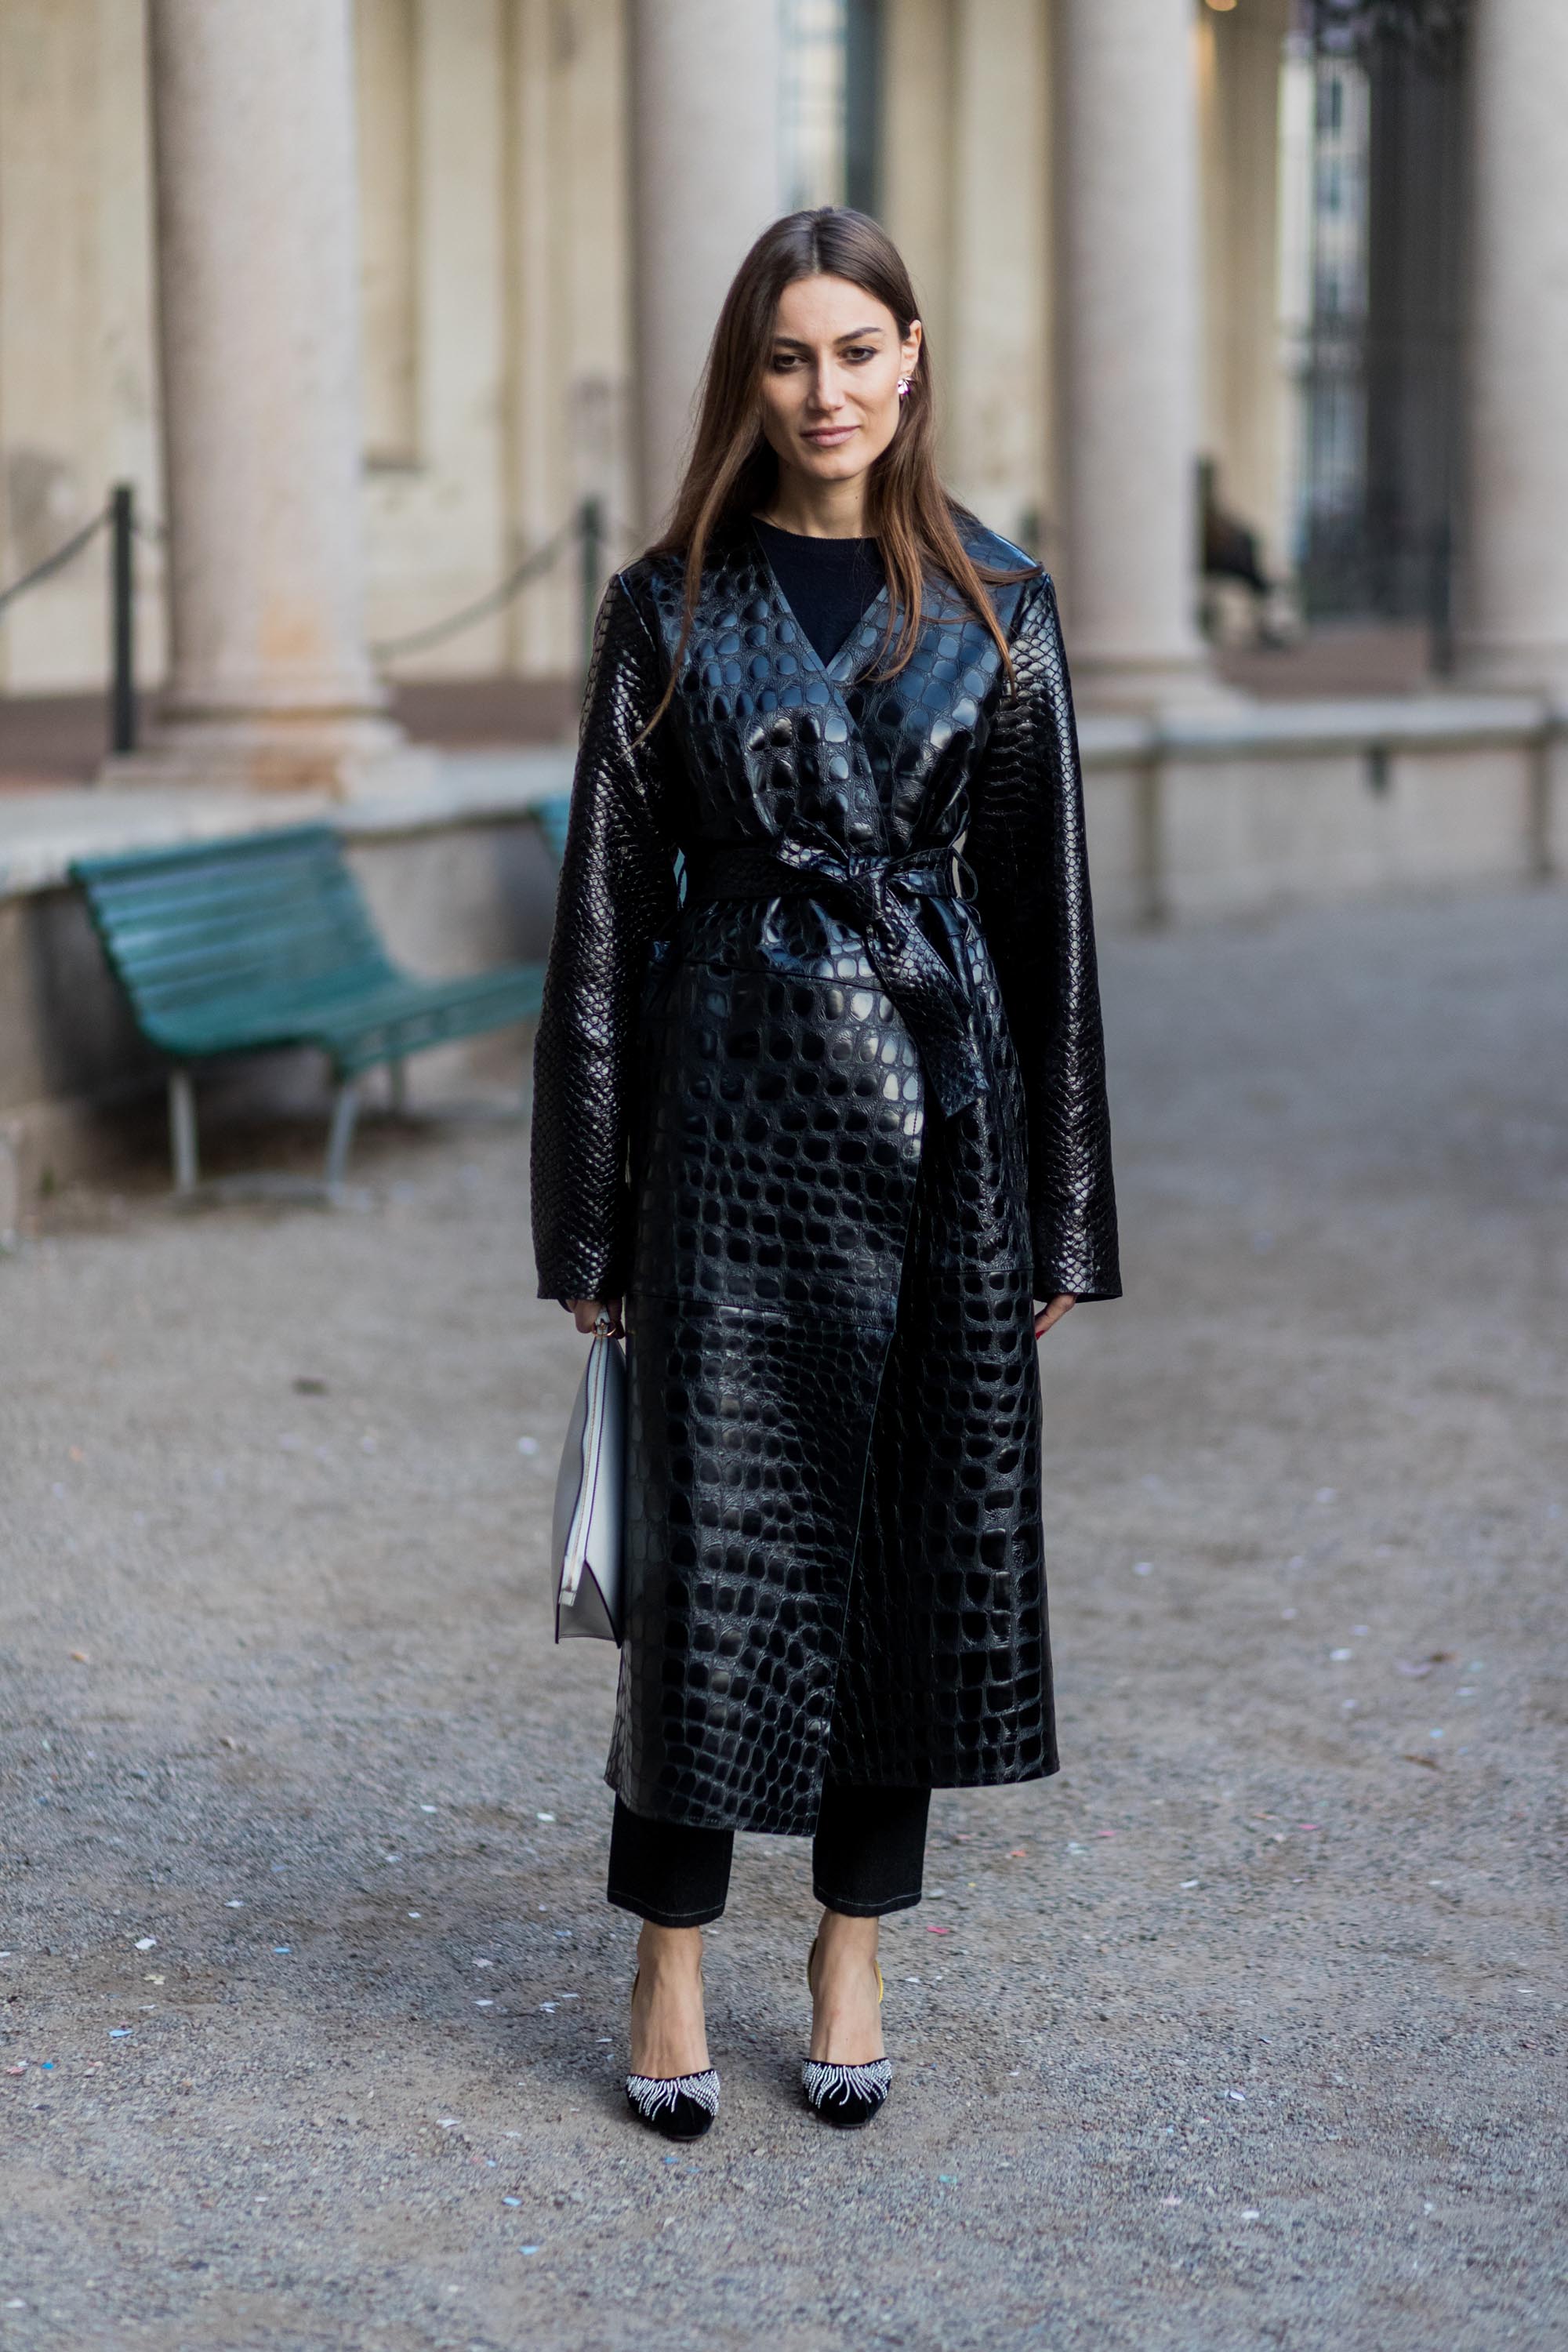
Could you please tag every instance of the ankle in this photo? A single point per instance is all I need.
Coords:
(846, 1944)
(670, 1953)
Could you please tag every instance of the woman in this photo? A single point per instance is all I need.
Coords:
(819, 1123)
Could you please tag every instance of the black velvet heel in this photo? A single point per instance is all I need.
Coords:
(681, 2107)
(846, 2096)
(678, 2106)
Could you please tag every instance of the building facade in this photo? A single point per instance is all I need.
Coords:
(1163, 236)
(1250, 317)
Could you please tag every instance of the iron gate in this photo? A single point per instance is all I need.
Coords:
(1377, 366)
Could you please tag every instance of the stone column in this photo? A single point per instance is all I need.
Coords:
(270, 683)
(706, 178)
(997, 211)
(1128, 322)
(1514, 582)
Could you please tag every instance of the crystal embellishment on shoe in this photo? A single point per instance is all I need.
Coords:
(681, 2106)
(847, 2096)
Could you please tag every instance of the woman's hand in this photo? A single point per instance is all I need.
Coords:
(588, 1311)
(1046, 1315)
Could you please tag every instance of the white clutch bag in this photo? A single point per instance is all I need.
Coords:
(587, 1548)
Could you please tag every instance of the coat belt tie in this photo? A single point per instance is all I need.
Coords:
(878, 896)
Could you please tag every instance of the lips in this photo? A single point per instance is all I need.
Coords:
(828, 436)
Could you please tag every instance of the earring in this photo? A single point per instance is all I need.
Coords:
(903, 387)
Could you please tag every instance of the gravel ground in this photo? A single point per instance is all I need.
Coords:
(1242, 2031)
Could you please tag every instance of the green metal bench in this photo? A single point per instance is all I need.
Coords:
(264, 940)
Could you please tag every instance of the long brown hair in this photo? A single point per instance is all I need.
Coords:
(733, 471)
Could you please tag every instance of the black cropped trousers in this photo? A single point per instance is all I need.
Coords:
(868, 1857)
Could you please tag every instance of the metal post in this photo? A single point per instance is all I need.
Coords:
(590, 552)
(122, 618)
(182, 1129)
(345, 1110)
(1439, 598)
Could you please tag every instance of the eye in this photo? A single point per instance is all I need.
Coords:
(782, 361)
(859, 353)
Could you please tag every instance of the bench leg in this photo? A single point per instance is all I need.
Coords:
(397, 1084)
(182, 1129)
(345, 1110)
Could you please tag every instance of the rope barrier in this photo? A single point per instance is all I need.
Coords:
(588, 525)
(494, 600)
(57, 560)
(435, 633)
(119, 518)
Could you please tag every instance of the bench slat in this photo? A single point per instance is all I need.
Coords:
(360, 1030)
(186, 926)
(239, 945)
(304, 906)
(207, 958)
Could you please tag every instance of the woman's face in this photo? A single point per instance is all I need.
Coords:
(830, 383)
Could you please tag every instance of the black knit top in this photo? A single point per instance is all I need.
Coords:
(827, 582)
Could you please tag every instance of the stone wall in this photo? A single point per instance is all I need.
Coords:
(1238, 814)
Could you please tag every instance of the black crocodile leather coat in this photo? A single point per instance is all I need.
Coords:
(829, 1128)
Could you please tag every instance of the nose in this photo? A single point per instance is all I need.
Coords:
(827, 390)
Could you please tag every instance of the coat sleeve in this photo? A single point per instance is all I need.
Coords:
(1026, 845)
(617, 894)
